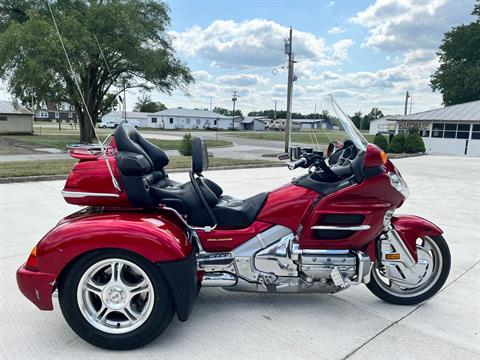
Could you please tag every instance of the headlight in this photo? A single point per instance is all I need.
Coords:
(399, 184)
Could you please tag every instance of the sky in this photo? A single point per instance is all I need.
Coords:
(366, 53)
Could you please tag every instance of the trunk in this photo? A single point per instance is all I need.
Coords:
(86, 130)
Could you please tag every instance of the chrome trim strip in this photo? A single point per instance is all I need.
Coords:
(81, 194)
(331, 227)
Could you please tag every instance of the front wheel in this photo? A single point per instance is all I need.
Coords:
(115, 299)
(431, 272)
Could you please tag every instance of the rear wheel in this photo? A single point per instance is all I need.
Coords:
(431, 272)
(115, 299)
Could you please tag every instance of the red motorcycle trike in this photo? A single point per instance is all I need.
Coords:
(145, 244)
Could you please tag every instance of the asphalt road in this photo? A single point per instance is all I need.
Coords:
(351, 324)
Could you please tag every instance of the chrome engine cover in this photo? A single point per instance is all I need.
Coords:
(273, 262)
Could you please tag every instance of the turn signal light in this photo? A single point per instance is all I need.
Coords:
(32, 260)
(383, 156)
(394, 256)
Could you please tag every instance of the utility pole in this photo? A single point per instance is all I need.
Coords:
(210, 103)
(124, 104)
(407, 95)
(289, 52)
(234, 99)
(275, 111)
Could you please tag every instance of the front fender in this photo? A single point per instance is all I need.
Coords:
(411, 227)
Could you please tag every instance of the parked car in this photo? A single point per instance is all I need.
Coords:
(108, 125)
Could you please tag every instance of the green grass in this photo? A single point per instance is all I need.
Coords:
(63, 167)
(321, 136)
(61, 141)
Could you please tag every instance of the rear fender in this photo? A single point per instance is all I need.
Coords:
(151, 235)
(411, 227)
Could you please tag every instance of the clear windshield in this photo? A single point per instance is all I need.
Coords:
(334, 124)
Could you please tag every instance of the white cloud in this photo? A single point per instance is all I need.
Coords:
(340, 49)
(242, 80)
(411, 24)
(254, 43)
(336, 30)
(201, 75)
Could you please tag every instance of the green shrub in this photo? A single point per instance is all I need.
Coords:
(414, 142)
(397, 145)
(381, 141)
(186, 145)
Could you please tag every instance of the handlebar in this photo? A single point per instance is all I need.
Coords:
(300, 162)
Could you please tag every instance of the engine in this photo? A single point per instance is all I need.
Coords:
(273, 262)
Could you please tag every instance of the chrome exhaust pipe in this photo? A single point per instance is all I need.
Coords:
(218, 279)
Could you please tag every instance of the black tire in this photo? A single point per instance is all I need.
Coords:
(156, 323)
(379, 291)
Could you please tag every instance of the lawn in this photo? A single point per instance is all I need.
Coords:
(63, 167)
(61, 141)
(304, 137)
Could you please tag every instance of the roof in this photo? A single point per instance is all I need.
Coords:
(130, 114)
(305, 121)
(251, 119)
(191, 113)
(469, 111)
(9, 107)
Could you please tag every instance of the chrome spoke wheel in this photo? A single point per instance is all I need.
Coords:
(420, 278)
(115, 296)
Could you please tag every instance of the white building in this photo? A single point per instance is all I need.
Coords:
(139, 119)
(382, 125)
(15, 119)
(188, 119)
(453, 130)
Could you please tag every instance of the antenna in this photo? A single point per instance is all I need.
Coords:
(74, 78)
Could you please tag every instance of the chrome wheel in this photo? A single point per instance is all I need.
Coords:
(115, 296)
(420, 278)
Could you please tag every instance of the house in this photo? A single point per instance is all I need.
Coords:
(452, 130)
(138, 119)
(382, 125)
(309, 123)
(188, 119)
(253, 123)
(56, 112)
(15, 119)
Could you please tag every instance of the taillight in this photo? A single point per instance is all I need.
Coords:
(32, 263)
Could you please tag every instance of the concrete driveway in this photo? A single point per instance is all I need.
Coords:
(351, 324)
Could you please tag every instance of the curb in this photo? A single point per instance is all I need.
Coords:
(21, 179)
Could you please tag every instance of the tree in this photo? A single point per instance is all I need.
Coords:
(357, 119)
(458, 76)
(226, 112)
(132, 34)
(375, 113)
(381, 141)
(145, 104)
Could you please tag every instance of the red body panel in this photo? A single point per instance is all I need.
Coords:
(226, 240)
(153, 235)
(371, 198)
(287, 206)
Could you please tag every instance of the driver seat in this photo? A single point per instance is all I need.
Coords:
(225, 211)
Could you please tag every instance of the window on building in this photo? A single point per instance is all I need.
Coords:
(3, 118)
(70, 115)
(188, 121)
(476, 132)
(215, 122)
(171, 120)
(450, 130)
(57, 115)
(437, 130)
(198, 121)
(424, 133)
(154, 120)
(463, 131)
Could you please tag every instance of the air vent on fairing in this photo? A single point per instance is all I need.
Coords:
(339, 220)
